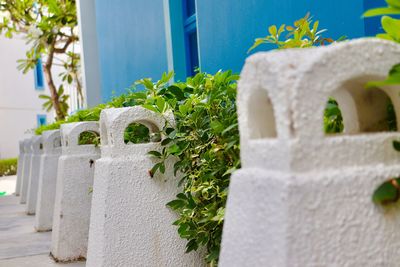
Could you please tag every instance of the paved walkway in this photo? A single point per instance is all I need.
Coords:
(20, 245)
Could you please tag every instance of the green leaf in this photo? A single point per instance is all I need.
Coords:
(162, 168)
(155, 154)
(174, 149)
(176, 204)
(44, 97)
(381, 11)
(273, 30)
(387, 193)
(393, 3)
(177, 92)
(192, 245)
(150, 107)
(391, 26)
(161, 104)
(153, 170)
(396, 145)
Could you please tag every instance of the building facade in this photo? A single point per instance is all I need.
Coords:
(20, 106)
(127, 40)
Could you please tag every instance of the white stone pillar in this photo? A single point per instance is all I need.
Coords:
(20, 168)
(26, 171)
(47, 180)
(73, 197)
(37, 151)
(303, 198)
(130, 223)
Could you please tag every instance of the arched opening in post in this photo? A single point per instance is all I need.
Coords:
(354, 109)
(89, 138)
(261, 117)
(387, 193)
(141, 132)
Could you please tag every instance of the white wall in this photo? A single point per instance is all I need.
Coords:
(19, 102)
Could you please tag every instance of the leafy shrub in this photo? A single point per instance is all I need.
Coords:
(304, 33)
(205, 140)
(8, 166)
(333, 120)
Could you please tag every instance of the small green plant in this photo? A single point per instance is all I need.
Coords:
(89, 138)
(8, 166)
(391, 27)
(333, 120)
(136, 133)
(303, 33)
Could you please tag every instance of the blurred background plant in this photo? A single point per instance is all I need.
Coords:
(303, 33)
(8, 166)
(50, 28)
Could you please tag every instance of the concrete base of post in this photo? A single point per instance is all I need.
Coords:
(26, 171)
(37, 149)
(130, 223)
(310, 219)
(48, 181)
(20, 168)
(73, 197)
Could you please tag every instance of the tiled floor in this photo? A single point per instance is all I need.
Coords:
(20, 244)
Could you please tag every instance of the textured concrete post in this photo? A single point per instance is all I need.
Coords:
(47, 180)
(26, 171)
(130, 224)
(20, 168)
(73, 198)
(37, 151)
(303, 198)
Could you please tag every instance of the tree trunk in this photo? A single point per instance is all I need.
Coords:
(60, 115)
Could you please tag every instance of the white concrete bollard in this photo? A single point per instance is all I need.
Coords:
(130, 223)
(47, 180)
(26, 171)
(20, 168)
(33, 182)
(73, 198)
(303, 198)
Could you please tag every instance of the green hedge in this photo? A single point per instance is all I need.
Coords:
(8, 166)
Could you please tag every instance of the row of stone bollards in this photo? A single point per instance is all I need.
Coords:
(99, 201)
(302, 197)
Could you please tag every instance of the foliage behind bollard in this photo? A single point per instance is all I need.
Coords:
(37, 151)
(20, 168)
(130, 223)
(73, 197)
(302, 197)
(27, 170)
(47, 180)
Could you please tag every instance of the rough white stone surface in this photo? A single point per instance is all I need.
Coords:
(47, 180)
(73, 198)
(130, 224)
(26, 171)
(37, 151)
(20, 168)
(303, 198)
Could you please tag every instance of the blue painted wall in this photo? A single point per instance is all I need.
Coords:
(228, 28)
(131, 42)
(132, 38)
